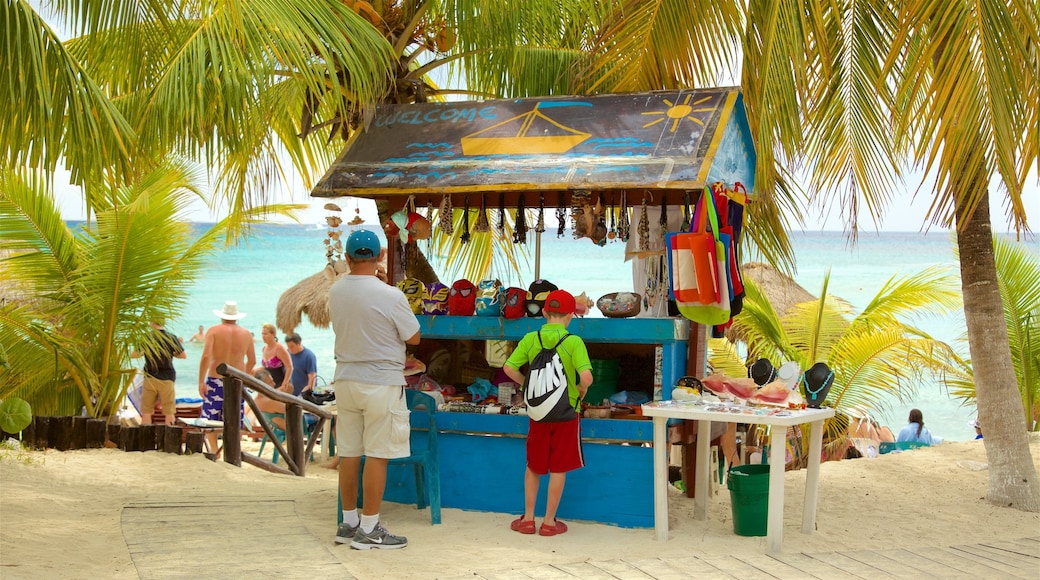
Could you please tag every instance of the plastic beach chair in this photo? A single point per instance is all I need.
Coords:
(423, 458)
(278, 432)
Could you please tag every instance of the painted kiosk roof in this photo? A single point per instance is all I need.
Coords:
(667, 141)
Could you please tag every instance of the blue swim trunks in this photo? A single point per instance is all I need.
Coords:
(213, 402)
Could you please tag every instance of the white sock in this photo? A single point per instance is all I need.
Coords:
(350, 517)
(368, 523)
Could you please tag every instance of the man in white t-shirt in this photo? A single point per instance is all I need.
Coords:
(373, 322)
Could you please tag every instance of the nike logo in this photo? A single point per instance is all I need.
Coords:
(376, 540)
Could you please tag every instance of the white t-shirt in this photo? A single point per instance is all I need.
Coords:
(371, 320)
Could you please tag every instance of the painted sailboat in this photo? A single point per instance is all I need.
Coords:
(526, 134)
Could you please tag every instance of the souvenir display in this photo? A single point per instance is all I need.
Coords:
(513, 302)
(588, 218)
(816, 384)
(624, 226)
(501, 213)
(482, 226)
(415, 292)
(540, 224)
(445, 219)
(619, 304)
(582, 305)
(409, 226)
(462, 298)
(464, 237)
(561, 221)
(520, 227)
(436, 299)
(536, 294)
(489, 298)
(762, 371)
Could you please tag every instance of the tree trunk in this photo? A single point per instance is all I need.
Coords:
(417, 266)
(1012, 476)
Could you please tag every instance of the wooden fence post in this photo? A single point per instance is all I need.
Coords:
(172, 439)
(294, 436)
(233, 421)
(96, 432)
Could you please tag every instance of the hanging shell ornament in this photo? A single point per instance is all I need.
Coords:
(334, 221)
(445, 221)
(332, 207)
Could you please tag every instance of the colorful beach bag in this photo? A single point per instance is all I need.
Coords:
(710, 263)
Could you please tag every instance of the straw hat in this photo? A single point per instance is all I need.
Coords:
(230, 311)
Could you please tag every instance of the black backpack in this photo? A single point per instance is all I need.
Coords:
(545, 388)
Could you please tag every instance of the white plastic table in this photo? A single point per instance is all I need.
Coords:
(664, 410)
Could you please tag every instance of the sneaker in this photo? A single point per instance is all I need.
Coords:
(377, 539)
(345, 533)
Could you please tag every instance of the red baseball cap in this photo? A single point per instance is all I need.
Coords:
(559, 302)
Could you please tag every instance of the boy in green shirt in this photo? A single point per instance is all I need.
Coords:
(554, 433)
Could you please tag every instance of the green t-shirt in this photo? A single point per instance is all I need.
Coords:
(573, 354)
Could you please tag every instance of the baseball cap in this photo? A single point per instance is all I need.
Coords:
(559, 302)
(363, 244)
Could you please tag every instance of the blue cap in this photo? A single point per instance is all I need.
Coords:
(363, 244)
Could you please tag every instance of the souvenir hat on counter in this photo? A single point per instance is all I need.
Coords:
(488, 298)
(559, 302)
(536, 294)
(436, 299)
(513, 302)
(816, 383)
(462, 298)
(363, 245)
(762, 371)
(414, 291)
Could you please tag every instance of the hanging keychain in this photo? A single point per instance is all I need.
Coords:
(502, 213)
(482, 226)
(464, 238)
(429, 218)
(624, 226)
(561, 220)
(612, 233)
(446, 221)
(644, 228)
(663, 221)
(686, 213)
(520, 229)
(540, 224)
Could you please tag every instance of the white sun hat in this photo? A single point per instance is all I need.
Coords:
(230, 311)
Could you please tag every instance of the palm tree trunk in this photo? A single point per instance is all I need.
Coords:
(1012, 476)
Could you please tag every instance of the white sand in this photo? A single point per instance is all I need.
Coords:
(60, 515)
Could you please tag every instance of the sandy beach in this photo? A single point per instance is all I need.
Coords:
(64, 515)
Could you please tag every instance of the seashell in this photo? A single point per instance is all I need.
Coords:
(333, 220)
(332, 207)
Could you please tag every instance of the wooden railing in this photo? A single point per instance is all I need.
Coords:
(296, 450)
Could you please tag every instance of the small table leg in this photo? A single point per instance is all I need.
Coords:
(812, 478)
(661, 477)
(777, 461)
(701, 485)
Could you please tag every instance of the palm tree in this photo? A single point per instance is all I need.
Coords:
(1018, 275)
(95, 288)
(877, 355)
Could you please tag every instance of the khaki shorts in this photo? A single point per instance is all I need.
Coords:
(154, 389)
(372, 420)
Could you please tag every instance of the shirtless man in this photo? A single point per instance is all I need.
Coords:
(228, 343)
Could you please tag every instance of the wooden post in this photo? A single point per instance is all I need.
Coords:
(96, 432)
(145, 438)
(172, 438)
(294, 436)
(114, 432)
(233, 421)
(29, 434)
(127, 437)
(61, 432)
(42, 436)
(194, 442)
(79, 432)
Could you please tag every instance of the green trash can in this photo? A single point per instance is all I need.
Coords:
(749, 496)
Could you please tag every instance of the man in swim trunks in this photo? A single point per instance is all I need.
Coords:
(228, 343)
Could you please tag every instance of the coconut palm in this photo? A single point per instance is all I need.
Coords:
(97, 287)
(877, 355)
(1019, 279)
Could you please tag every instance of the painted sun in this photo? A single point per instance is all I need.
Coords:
(677, 112)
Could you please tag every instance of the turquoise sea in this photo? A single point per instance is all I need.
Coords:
(256, 272)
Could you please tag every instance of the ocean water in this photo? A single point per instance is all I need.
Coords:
(256, 273)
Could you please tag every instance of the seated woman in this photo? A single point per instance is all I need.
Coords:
(268, 405)
(915, 430)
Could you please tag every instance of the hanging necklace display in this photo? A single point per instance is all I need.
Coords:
(540, 224)
(644, 228)
(482, 226)
(520, 227)
(612, 233)
(502, 213)
(663, 221)
(656, 280)
(445, 221)
(580, 209)
(561, 219)
(624, 226)
(429, 218)
(686, 214)
(464, 237)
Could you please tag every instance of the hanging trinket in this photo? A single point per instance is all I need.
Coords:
(464, 238)
(429, 218)
(612, 232)
(624, 225)
(482, 226)
(502, 213)
(686, 218)
(540, 224)
(663, 221)
(444, 213)
(561, 221)
(520, 229)
(580, 217)
(644, 229)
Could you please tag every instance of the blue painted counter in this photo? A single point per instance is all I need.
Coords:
(482, 457)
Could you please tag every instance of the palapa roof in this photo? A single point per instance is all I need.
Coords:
(665, 142)
(310, 296)
(780, 289)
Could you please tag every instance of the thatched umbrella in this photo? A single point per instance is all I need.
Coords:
(780, 289)
(310, 296)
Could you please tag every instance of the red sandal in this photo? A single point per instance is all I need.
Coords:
(547, 530)
(522, 526)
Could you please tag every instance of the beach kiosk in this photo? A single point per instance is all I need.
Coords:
(548, 153)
